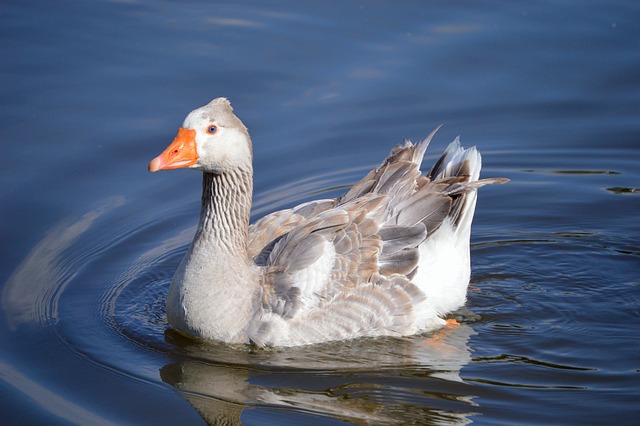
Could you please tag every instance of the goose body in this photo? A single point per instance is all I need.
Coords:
(389, 257)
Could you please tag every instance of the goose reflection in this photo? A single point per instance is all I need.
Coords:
(384, 380)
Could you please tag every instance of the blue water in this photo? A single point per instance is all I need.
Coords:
(92, 90)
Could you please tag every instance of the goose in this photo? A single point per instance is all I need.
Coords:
(390, 257)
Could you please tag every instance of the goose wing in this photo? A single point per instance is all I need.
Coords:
(267, 231)
(354, 257)
(370, 234)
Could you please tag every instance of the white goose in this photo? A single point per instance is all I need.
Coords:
(390, 257)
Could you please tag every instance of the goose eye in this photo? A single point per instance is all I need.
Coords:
(212, 129)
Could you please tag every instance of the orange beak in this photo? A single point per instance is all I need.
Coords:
(181, 153)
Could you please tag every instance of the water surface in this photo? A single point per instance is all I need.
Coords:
(91, 91)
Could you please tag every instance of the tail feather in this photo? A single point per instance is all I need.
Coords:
(421, 147)
(457, 161)
(463, 166)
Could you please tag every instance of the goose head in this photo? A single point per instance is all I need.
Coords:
(211, 139)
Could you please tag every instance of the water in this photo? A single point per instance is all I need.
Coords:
(91, 91)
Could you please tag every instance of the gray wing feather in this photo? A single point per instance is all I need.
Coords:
(374, 232)
(381, 306)
(397, 238)
(266, 232)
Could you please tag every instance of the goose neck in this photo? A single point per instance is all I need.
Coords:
(226, 210)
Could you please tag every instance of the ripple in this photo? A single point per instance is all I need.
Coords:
(32, 293)
(547, 305)
(623, 190)
(134, 303)
(504, 358)
(573, 172)
(525, 386)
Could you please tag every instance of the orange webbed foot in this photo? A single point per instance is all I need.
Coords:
(437, 339)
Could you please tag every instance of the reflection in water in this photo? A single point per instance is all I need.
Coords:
(220, 382)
